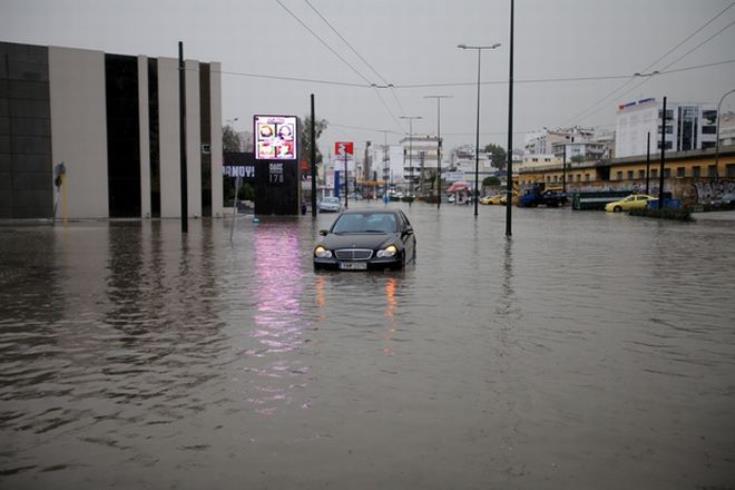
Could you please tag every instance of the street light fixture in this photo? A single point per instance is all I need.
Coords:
(717, 142)
(410, 156)
(438, 146)
(637, 74)
(479, 50)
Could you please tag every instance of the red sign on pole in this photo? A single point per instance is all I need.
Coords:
(343, 148)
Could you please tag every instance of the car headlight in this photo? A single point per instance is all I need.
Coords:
(322, 252)
(388, 251)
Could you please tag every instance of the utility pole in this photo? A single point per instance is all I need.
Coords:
(564, 171)
(648, 161)
(439, 146)
(182, 141)
(717, 142)
(312, 136)
(663, 158)
(509, 183)
(410, 154)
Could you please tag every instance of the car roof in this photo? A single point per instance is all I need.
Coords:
(371, 211)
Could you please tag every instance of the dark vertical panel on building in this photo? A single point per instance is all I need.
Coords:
(123, 137)
(205, 111)
(153, 138)
(26, 189)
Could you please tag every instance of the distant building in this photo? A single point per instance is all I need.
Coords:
(113, 120)
(727, 129)
(575, 142)
(689, 127)
(420, 156)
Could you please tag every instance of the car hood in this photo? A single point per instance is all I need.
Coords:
(360, 240)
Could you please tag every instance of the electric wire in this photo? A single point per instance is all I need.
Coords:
(362, 58)
(460, 84)
(646, 80)
(594, 107)
(324, 43)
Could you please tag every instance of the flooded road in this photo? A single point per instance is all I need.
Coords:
(590, 351)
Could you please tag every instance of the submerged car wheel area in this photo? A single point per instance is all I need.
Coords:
(366, 240)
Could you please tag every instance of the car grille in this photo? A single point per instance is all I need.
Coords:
(353, 254)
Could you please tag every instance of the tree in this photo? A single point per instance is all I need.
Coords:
(497, 155)
(321, 125)
(230, 139)
(490, 181)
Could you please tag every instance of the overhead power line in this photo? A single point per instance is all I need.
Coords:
(361, 57)
(460, 84)
(594, 106)
(324, 43)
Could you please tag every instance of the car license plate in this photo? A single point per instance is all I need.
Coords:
(353, 266)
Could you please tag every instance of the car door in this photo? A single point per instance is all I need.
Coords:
(407, 237)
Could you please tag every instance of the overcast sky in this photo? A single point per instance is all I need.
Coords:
(411, 42)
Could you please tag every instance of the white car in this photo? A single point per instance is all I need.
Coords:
(330, 205)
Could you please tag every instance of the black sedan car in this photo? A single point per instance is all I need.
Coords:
(366, 239)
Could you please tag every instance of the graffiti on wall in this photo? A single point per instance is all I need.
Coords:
(712, 191)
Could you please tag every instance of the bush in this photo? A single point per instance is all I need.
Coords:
(681, 214)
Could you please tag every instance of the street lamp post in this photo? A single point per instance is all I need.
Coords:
(717, 142)
(438, 146)
(410, 156)
(477, 129)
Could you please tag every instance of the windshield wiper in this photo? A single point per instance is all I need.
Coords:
(373, 231)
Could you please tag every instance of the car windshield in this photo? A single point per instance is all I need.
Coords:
(365, 223)
(332, 200)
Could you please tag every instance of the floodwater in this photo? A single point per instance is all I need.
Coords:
(590, 351)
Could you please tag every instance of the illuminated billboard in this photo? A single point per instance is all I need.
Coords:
(275, 138)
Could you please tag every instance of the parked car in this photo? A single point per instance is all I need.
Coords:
(634, 201)
(330, 205)
(493, 200)
(366, 239)
(538, 195)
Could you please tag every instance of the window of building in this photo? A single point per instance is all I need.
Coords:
(669, 145)
(669, 129)
(579, 177)
(654, 173)
(709, 129)
(619, 175)
(706, 145)
(587, 177)
(681, 172)
(709, 116)
(696, 171)
(667, 173)
(630, 175)
(641, 174)
(711, 171)
(534, 159)
(730, 170)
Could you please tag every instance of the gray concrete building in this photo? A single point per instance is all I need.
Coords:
(113, 120)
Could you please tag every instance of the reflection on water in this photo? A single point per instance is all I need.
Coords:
(390, 314)
(590, 351)
(278, 321)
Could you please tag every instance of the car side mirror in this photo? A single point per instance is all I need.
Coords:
(408, 231)
(323, 232)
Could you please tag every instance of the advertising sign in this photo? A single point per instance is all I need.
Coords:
(344, 149)
(275, 138)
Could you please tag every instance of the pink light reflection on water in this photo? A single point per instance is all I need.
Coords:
(279, 321)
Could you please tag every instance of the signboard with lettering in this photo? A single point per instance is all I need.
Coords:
(275, 173)
(275, 138)
(344, 149)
